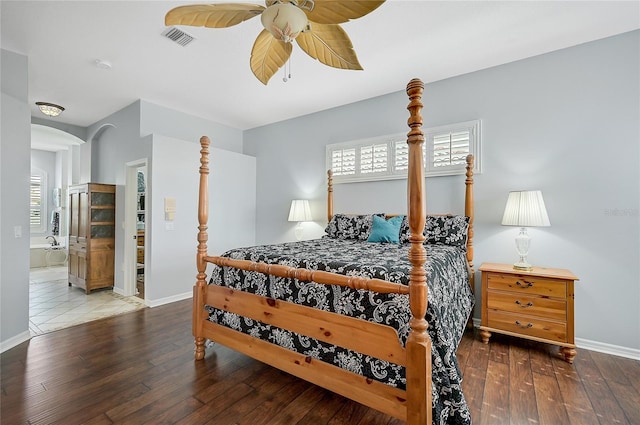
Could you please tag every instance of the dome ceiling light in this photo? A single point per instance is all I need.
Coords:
(50, 109)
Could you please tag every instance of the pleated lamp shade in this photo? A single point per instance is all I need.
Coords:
(525, 209)
(300, 210)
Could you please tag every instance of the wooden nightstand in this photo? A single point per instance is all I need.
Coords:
(536, 305)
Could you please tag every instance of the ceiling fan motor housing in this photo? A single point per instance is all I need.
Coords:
(284, 21)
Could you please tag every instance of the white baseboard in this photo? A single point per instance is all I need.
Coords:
(16, 340)
(167, 300)
(600, 347)
(120, 291)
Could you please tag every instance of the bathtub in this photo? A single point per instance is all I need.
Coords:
(43, 254)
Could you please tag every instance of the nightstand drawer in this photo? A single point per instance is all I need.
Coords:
(528, 305)
(527, 325)
(531, 285)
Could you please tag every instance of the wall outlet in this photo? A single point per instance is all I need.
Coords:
(17, 231)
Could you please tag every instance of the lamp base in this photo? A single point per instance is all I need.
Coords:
(522, 266)
(522, 246)
(299, 230)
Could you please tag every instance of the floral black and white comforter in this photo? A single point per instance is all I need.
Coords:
(450, 303)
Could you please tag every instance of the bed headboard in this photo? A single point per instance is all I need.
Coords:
(468, 203)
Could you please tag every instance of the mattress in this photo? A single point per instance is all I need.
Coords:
(450, 303)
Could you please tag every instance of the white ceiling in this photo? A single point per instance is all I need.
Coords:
(211, 78)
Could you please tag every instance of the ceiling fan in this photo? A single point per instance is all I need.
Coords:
(314, 24)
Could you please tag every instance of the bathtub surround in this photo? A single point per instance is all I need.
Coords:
(44, 253)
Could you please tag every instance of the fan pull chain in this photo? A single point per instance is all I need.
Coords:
(287, 76)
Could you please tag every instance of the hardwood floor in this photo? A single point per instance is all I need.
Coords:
(138, 368)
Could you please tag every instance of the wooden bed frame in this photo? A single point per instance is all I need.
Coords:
(412, 405)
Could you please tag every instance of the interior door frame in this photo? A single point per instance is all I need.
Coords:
(130, 224)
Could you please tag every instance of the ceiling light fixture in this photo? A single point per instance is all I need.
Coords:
(313, 24)
(50, 109)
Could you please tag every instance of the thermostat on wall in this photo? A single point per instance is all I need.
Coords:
(169, 209)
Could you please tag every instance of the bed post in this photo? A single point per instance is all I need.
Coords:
(468, 209)
(203, 217)
(418, 368)
(329, 195)
(469, 212)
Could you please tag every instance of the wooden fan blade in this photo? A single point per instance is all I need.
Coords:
(212, 15)
(330, 44)
(268, 55)
(339, 11)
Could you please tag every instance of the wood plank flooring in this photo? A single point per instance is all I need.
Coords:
(138, 368)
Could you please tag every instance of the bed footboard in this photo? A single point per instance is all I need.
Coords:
(414, 405)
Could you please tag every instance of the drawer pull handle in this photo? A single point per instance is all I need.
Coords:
(529, 304)
(524, 284)
(528, 325)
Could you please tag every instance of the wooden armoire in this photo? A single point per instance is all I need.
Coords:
(92, 210)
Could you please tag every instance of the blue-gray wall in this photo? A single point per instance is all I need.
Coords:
(15, 164)
(128, 135)
(566, 123)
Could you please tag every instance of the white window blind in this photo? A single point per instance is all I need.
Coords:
(343, 162)
(401, 161)
(450, 149)
(373, 159)
(37, 222)
(387, 157)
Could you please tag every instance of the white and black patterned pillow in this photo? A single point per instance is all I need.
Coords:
(443, 229)
(447, 229)
(404, 230)
(347, 226)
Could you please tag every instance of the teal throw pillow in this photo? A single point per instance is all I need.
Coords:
(385, 230)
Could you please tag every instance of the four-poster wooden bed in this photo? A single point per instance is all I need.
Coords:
(219, 312)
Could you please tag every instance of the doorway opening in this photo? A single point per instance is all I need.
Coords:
(63, 160)
(136, 228)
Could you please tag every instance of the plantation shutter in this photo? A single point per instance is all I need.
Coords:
(444, 151)
(35, 202)
(450, 149)
(373, 158)
(343, 162)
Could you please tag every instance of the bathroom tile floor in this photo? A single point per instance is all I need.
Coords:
(53, 304)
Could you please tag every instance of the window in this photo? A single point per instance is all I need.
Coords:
(385, 158)
(448, 147)
(37, 202)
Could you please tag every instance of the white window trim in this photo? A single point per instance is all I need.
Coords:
(42, 227)
(475, 135)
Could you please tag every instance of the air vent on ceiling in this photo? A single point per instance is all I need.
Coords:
(178, 36)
